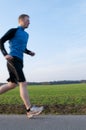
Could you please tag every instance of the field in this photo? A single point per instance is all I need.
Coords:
(60, 99)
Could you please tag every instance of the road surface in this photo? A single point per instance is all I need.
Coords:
(42, 122)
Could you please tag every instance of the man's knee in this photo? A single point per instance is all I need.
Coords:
(12, 85)
(23, 84)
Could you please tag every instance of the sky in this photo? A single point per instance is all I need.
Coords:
(57, 36)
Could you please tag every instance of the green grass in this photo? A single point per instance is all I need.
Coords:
(49, 95)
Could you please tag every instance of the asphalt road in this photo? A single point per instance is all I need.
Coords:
(43, 122)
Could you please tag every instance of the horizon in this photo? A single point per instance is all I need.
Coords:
(82, 80)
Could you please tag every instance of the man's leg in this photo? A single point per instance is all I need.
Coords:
(25, 97)
(7, 87)
(24, 94)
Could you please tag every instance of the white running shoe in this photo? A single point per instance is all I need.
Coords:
(34, 111)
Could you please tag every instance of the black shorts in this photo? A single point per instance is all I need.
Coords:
(15, 68)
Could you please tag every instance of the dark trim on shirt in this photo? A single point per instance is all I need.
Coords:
(9, 35)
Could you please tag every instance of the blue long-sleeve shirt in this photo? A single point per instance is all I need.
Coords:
(17, 42)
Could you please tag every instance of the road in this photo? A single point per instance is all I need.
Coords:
(42, 122)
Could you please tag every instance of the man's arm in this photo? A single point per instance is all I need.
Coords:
(29, 52)
(10, 34)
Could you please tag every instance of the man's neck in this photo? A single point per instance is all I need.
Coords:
(22, 27)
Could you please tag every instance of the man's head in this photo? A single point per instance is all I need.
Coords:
(24, 20)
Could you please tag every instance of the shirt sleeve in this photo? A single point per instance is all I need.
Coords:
(27, 51)
(9, 35)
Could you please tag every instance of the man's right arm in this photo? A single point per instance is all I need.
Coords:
(9, 35)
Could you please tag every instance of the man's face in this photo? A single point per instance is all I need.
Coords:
(24, 22)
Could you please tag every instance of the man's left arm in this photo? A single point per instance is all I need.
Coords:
(29, 52)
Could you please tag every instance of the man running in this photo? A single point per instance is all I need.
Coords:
(17, 43)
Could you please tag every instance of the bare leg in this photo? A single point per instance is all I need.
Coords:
(24, 94)
(7, 87)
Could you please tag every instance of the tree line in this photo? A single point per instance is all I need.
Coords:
(55, 82)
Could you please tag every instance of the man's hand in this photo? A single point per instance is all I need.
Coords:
(8, 57)
(32, 53)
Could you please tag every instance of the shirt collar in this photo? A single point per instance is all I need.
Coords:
(21, 27)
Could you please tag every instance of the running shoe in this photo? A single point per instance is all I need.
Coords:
(34, 111)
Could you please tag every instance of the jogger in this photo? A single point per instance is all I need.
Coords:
(17, 42)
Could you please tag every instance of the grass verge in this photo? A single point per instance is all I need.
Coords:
(56, 99)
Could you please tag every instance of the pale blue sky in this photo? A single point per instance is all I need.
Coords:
(57, 35)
